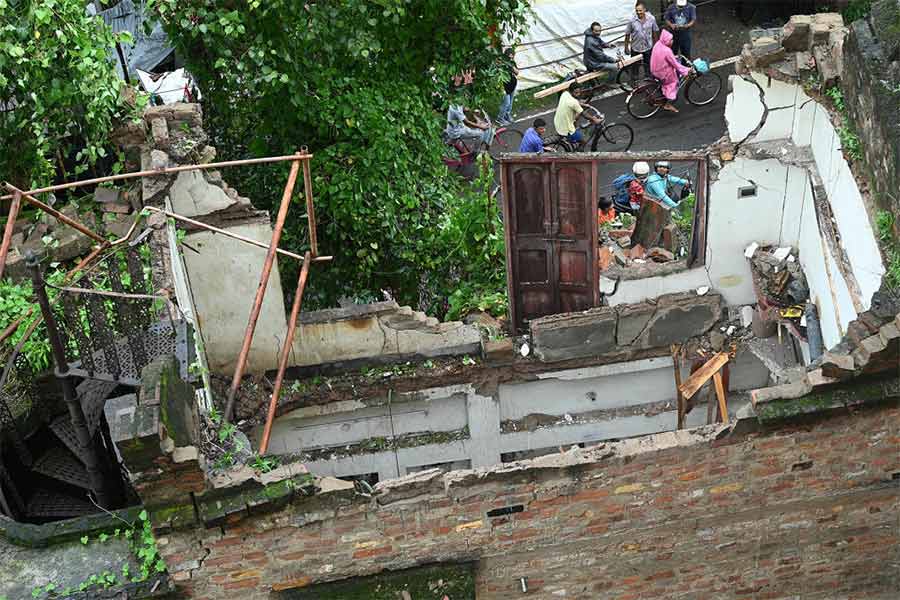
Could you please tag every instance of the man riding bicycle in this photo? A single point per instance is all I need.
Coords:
(459, 126)
(660, 182)
(568, 111)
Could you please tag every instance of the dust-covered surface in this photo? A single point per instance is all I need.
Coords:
(64, 566)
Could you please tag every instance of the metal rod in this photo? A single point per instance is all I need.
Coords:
(8, 232)
(124, 63)
(285, 353)
(310, 209)
(76, 413)
(235, 236)
(11, 329)
(261, 289)
(53, 212)
(158, 172)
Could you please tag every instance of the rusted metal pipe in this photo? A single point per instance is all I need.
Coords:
(235, 236)
(55, 213)
(76, 413)
(158, 172)
(285, 353)
(310, 209)
(8, 232)
(261, 289)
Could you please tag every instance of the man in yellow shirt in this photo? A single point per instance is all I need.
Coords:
(567, 112)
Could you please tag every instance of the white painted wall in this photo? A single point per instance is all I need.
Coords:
(224, 275)
(794, 117)
(446, 409)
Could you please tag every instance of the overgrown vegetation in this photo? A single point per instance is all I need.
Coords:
(856, 9)
(365, 85)
(884, 222)
(142, 544)
(850, 141)
(59, 91)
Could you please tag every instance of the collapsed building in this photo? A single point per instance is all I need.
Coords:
(721, 423)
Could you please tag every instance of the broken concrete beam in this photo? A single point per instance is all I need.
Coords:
(765, 51)
(832, 20)
(679, 317)
(796, 33)
(633, 320)
(660, 255)
(193, 196)
(838, 366)
(826, 65)
(650, 222)
(574, 335)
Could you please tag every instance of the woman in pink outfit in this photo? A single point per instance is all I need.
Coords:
(665, 67)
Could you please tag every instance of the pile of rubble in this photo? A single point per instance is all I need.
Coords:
(807, 45)
(617, 248)
(109, 214)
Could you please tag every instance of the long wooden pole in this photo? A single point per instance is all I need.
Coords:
(261, 289)
(285, 354)
(158, 172)
(8, 231)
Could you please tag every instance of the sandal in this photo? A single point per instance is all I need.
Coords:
(670, 108)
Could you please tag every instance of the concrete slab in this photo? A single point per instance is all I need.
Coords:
(561, 337)
(192, 196)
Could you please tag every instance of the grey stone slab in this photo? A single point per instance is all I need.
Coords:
(574, 335)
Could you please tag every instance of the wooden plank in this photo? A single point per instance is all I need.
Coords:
(677, 365)
(581, 79)
(703, 374)
(720, 395)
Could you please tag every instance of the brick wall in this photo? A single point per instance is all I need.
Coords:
(870, 81)
(800, 510)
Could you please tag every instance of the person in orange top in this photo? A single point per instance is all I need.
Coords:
(606, 212)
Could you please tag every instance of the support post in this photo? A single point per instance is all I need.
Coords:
(261, 289)
(676, 363)
(285, 354)
(76, 414)
(8, 231)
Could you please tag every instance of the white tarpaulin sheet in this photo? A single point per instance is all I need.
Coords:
(553, 19)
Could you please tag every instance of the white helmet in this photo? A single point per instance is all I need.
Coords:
(640, 169)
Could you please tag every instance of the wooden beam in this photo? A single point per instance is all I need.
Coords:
(720, 395)
(582, 78)
(703, 374)
(680, 398)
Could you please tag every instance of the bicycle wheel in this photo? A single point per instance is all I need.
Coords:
(505, 140)
(559, 147)
(644, 102)
(629, 78)
(704, 88)
(618, 138)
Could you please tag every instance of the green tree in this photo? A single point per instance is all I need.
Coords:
(364, 85)
(59, 91)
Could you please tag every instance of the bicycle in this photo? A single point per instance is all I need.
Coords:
(700, 89)
(620, 135)
(505, 139)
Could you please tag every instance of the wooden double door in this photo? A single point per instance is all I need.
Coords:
(550, 218)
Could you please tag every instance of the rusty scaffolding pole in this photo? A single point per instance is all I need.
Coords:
(263, 283)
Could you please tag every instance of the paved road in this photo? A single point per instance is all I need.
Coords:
(693, 127)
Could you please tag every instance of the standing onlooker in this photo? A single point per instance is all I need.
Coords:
(640, 35)
(680, 18)
(504, 117)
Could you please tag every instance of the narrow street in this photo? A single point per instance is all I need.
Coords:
(693, 127)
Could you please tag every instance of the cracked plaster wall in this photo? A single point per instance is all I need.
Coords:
(558, 408)
(843, 265)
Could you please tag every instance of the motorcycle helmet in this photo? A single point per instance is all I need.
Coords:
(640, 169)
(663, 163)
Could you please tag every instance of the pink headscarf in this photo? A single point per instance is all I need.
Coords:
(665, 67)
